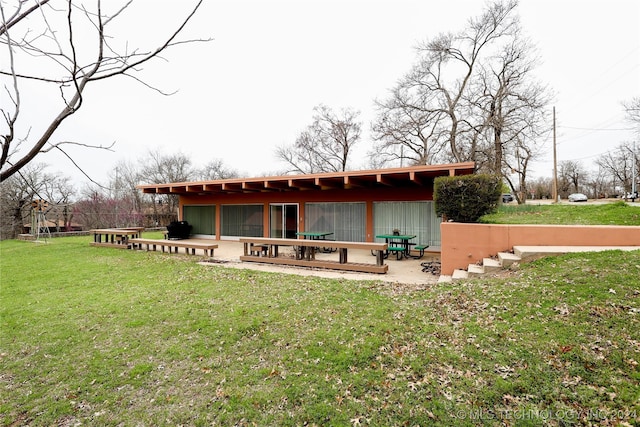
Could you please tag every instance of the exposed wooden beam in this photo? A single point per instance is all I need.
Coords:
(383, 179)
(276, 185)
(329, 183)
(303, 184)
(353, 182)
(178, 189)
(232, 187)
(252, 186)
(419, 179)
(197, 188)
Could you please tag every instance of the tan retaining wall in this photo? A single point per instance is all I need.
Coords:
(464, 244)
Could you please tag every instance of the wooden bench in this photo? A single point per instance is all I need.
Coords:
(174, 245)
(305, 253)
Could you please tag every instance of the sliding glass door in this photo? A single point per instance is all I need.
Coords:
(284, 220)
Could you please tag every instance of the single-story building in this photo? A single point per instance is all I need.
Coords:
(354, 205)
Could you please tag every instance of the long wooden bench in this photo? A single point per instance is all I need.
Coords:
(174, 245)
(266, 250)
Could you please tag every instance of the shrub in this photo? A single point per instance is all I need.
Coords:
(466, 198)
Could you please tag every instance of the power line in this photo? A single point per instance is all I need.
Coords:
(595, 129)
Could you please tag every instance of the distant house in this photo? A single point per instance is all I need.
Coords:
(354, 206)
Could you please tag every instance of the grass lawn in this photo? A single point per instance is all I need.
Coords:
(100, 336)
(616, 213)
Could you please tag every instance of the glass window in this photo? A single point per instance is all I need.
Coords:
(347, 221)
(242, 220)
(417, 218)
(202, 218)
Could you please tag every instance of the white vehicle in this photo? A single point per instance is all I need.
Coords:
(577, 197)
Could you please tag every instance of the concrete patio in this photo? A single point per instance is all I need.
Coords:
(408, 271)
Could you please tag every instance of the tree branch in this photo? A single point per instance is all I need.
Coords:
(79, 168)
(6, 25)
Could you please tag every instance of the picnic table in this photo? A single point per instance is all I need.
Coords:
(266, 250)
(114, 237)
(314, 235)
(397, 243)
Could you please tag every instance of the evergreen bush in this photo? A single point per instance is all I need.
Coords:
(467, 198)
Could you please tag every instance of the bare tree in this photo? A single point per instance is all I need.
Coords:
(618, 164)
(632, 109)
(513, 105)
(572, 176)
(405, 133)
(430, 108)
(216, 169)
(326, 144)
(67, 46)
(518, 165)
(600, 184)
(160, 168)
(31, 183)
(541, 188)
(97, 209)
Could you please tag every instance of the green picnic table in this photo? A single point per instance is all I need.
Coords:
(314, 235)
(397, 243)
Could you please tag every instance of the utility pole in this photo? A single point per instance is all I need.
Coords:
(117, 201)
(555, 160)
(634, 189)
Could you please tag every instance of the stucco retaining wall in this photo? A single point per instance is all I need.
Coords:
(464, 244)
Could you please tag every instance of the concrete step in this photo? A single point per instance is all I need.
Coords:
(507, 258)
(459, 275)
(445, 279)
(491, 264)
(475, 270)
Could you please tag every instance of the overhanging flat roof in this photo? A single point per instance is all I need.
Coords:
(409, 176)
